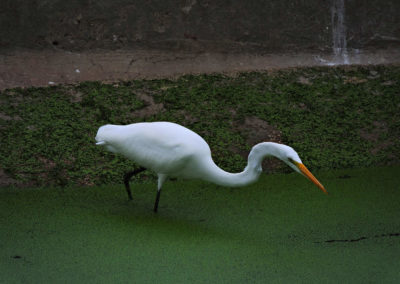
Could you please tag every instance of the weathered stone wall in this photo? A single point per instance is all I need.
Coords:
(195, 25)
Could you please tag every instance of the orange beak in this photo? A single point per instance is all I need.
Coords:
(310, 176)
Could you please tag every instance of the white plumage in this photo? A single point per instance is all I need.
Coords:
(172, 150)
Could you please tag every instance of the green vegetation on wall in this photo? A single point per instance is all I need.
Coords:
(333, 117)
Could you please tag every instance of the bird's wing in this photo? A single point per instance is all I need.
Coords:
(164, 148)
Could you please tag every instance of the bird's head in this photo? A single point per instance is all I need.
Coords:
(286, 154)
(291, 158)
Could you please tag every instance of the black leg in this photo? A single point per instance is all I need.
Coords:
(127, 177)
(157, 199)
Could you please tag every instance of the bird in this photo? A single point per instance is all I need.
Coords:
(172, 150)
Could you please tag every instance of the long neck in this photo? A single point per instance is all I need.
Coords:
(249, 175)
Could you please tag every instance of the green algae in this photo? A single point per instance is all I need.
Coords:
(279, 230)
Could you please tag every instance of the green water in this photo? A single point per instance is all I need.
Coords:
(279, 230)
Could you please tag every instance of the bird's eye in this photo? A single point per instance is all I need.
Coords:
(291, 160)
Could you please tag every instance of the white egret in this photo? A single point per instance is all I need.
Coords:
(172, 150)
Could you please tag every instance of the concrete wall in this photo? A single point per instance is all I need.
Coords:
(195, 25)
